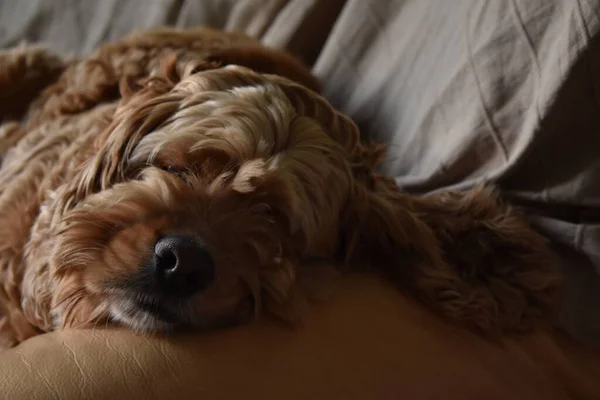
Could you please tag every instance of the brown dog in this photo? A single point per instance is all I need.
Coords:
(185, 178)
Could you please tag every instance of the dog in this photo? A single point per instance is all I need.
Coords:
(188, 178)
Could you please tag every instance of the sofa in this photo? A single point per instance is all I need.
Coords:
(462, 92)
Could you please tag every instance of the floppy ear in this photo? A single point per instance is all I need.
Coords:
(267, 60)
(24, 72)
(468, 256)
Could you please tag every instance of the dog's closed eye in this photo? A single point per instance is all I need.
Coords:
(179, 172)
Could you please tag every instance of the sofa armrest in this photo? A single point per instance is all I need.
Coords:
(367, 342)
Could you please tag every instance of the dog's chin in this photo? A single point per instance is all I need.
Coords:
(143, 317)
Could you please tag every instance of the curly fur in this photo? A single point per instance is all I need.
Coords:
(209, 133)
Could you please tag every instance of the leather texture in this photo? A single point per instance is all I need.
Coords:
(366, 342)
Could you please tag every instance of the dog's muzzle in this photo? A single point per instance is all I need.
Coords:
(179, 267)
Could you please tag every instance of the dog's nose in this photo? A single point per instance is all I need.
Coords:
(183, 265)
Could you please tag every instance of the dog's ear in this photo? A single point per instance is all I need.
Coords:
(267, 60)
(507, 271)
(24, 72)
(466, 255)
(380, 226)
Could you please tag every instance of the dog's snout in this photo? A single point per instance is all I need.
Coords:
(182, 265)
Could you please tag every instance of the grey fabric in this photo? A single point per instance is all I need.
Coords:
(76, 27)
(79, 26)
(461, 90)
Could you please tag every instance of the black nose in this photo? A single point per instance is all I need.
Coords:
(182, 265)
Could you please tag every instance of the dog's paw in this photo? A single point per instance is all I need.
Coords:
(497, 273)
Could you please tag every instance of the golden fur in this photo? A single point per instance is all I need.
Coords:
(209, 133)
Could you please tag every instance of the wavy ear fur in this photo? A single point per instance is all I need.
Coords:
(468, 256)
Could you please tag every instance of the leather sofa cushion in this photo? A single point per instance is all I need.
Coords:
(366, 342)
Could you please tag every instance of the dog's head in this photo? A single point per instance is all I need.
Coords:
(202, 197)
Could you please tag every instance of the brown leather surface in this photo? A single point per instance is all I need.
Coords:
(367, 342)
